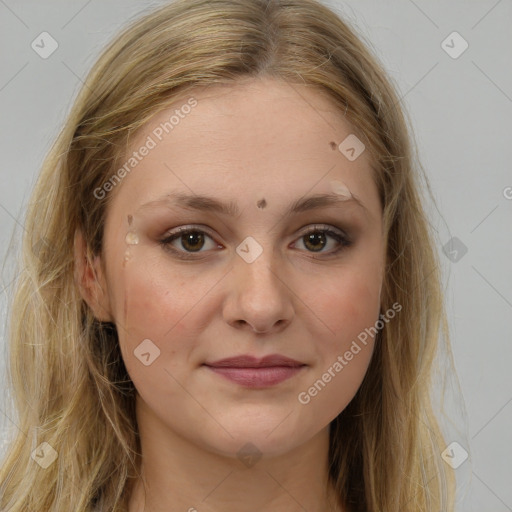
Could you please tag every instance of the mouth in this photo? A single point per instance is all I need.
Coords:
(249, 371)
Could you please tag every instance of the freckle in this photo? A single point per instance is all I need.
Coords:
(131, 238)
(333, 145)
(130, 220)
(261, 203)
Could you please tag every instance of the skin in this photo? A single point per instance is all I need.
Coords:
(258, 139)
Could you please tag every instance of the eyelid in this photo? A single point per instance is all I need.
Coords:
(323, 227)
(187, 228)
(307, 229)
(344, 241)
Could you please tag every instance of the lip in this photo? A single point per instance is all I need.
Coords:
(253, 372)
(248, 361)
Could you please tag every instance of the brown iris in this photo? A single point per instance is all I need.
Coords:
(192, 241)
(312, 238)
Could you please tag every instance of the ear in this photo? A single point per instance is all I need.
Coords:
(90, 279)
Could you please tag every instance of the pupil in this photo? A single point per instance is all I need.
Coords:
(191, 240)
(315, 236)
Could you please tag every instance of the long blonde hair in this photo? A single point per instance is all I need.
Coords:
(68, 380)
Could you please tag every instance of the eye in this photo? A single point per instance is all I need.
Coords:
(317, 238)
(191, 239)
(187, 240)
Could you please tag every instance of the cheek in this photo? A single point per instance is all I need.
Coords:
(348, 303)
(347, 298)
(350, 307)
(156, 302)
(151, 336)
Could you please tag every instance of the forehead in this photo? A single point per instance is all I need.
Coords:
(262, 137)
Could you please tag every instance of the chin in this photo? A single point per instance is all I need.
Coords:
(253, 439)
(249, 446)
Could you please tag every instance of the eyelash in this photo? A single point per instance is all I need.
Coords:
(343, 241)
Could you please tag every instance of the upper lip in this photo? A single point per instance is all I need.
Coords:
(247, 361)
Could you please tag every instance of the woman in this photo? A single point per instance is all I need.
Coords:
(233, 301)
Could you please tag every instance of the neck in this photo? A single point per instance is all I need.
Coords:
(179, 476)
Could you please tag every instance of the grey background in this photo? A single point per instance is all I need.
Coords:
(461, 110)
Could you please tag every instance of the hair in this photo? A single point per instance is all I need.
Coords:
(68, 381)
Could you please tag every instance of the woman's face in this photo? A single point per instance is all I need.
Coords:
(274, 272)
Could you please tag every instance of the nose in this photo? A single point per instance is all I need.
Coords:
(259, 298)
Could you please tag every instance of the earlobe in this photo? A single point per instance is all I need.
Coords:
(90, 280)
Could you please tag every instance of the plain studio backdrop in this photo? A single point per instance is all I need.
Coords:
(452, 63)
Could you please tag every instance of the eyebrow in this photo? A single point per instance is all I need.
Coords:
(211, 204)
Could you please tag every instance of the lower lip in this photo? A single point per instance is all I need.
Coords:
(257, 377)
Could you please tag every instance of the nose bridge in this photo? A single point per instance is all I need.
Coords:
(257, 266)
(258, 295)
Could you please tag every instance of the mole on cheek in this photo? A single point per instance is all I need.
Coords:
(333, 145)
(261, 203)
